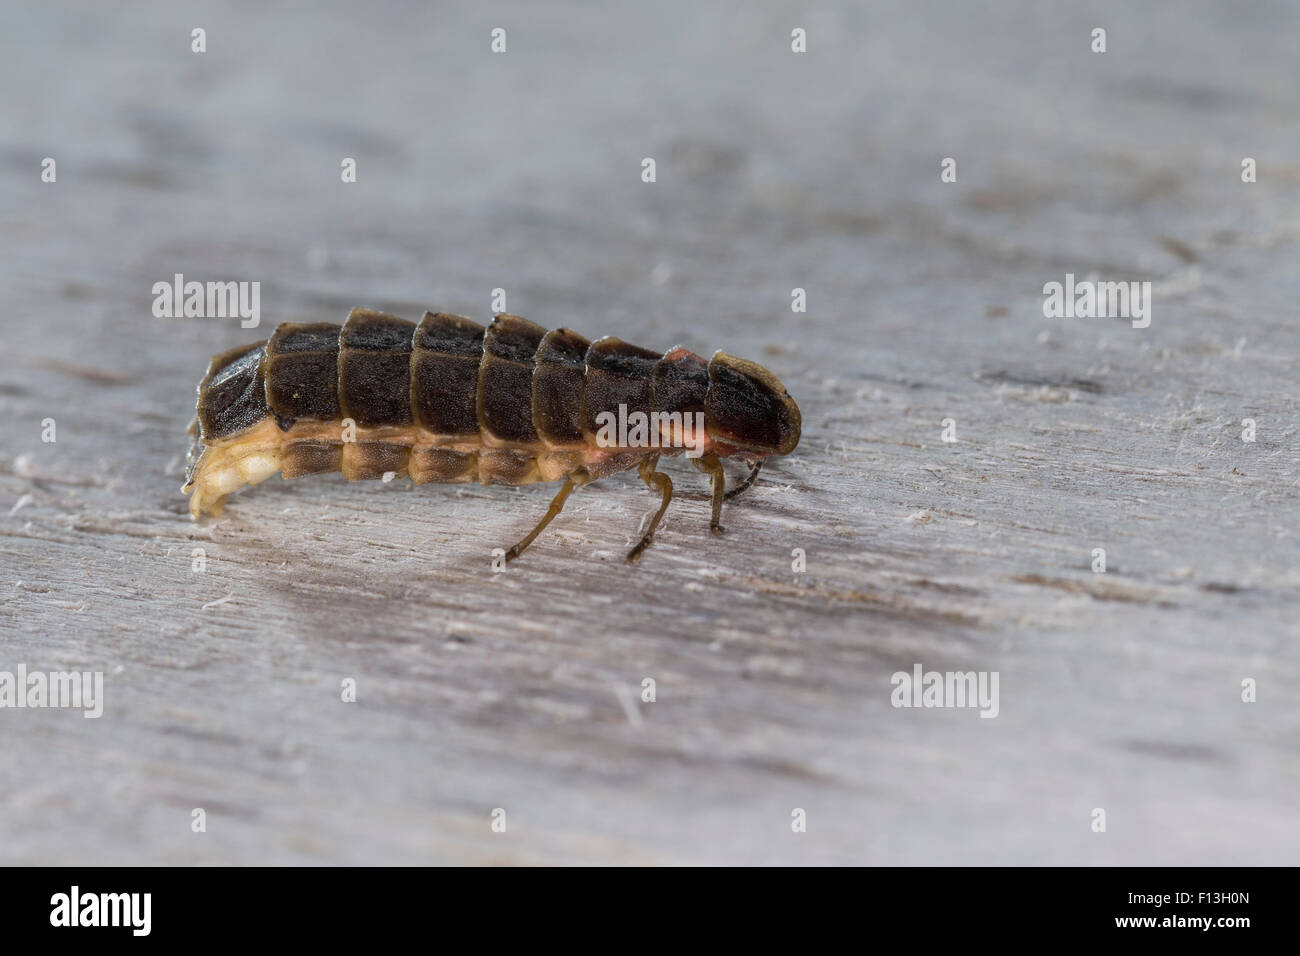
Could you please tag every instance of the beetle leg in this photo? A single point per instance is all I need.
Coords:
(749, 480)
(655, 481)
(557, 503)
(711, 466)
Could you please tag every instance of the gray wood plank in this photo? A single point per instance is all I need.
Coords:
(774, 170)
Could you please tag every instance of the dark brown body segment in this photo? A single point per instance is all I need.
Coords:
(232, 396)
(302, 373)
(557, 387)
(375, 369)
(681, 382)
(444, 394)
(748, 408)
(505, 383)
(444, 374)
(302, 384)
(618, 373)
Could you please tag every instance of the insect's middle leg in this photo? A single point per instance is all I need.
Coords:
(711, 466)
(557, 504)
(655, 481)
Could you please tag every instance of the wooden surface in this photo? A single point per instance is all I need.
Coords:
(521, 690)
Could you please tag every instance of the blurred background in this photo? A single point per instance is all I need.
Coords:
(775, 170)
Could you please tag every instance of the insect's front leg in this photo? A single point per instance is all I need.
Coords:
(655, 481)
(712, 466)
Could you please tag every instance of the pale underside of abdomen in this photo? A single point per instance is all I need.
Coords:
(309, 448)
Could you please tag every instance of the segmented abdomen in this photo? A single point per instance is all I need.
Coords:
(448, 400)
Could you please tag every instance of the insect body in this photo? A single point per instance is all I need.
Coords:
(450, 401)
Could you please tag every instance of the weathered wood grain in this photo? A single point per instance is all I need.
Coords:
(774, 170)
